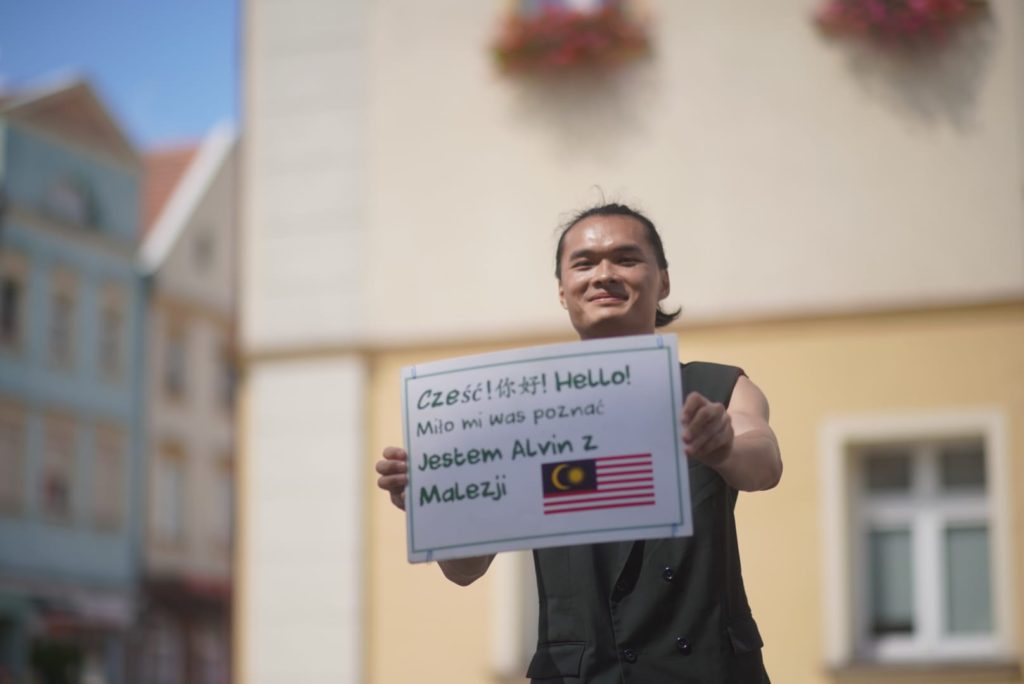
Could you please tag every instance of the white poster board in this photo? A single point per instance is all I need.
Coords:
(555, 445)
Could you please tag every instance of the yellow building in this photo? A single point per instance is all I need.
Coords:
(843, 221)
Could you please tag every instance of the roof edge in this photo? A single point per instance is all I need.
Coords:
(173, 219)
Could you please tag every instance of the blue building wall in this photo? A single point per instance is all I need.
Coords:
(35, 161)
(77, 551)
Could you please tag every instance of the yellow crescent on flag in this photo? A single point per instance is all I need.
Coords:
(554, 476)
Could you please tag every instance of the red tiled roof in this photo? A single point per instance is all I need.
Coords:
(73, 111)
(162, 171)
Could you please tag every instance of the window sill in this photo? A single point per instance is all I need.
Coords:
(962, 671)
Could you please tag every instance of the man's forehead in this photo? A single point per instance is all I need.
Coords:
(619, 233)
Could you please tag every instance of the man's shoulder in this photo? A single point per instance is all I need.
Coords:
(713, 380)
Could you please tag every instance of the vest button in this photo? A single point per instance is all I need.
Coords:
(683, 645)
(629, 655)
(668, 574)
(621, 587)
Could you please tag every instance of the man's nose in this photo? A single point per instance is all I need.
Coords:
(604, 271)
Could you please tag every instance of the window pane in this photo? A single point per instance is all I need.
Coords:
(892, 596)
(170, 496)
(887, 470)
(10, 307)
(963, 465)
(110, 342)
(174, 364)
(968, 594)
(107, 478)
(58, 468)
(60, 328)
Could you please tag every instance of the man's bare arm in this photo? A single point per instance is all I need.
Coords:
(737, 442)
(393, 470)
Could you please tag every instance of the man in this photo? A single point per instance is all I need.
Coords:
(663, 610)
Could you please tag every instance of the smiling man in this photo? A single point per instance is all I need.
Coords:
(662, 610)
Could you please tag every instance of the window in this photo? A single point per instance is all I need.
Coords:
(202, 250)
(12, 457)
(12, 300)
(169, 495)
(165, 653)
(922, 527)
(916, 551)
(209, 648)
(112, 333)
(108, 478)
(175, 350)
(62, 319)
(70, 199)
(226, 378)
(57, 481)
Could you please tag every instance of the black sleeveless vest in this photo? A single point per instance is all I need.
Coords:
(660, 610)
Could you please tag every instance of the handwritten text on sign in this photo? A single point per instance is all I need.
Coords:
(545, 446)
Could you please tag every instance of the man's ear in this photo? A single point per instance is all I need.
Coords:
(561, 295)
(666, 286)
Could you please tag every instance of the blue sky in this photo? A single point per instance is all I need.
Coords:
(167, 69)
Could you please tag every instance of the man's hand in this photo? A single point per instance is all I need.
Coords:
(707, 430)
(393, 469)
(737, 442)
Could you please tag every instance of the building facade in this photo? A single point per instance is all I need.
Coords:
(188, 258)
(843, 221)
(70, 385)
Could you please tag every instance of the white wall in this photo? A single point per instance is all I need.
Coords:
(789, 172)
(302, 546)
(300, 506)
(303, 250)
(200, 298)
(214, 215)
(203, 427)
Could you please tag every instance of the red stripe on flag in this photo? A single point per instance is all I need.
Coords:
(560, 504)
(596, 508)
(557, 495)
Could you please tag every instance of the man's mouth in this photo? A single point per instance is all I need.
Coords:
(607, 297)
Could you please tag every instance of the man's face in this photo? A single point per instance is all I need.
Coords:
(611, 283)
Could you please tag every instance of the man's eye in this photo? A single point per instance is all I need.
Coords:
(582, 263)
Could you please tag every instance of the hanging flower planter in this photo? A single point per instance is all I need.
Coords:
(896, 21)
(558, 36)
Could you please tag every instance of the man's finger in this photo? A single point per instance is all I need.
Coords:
(392, 483)
(391, 467)
(393, 453)
(711, 436)
(707, 415)
(693, 403)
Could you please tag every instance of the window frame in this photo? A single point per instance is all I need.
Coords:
(840, 487)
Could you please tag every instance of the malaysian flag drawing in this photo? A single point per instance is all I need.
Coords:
(597, 483)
